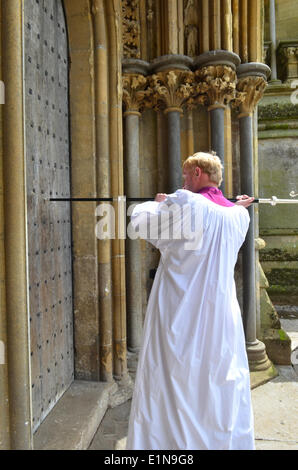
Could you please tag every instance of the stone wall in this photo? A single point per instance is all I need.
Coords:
(278, 158)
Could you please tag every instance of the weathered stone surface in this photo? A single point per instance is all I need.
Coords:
(72, 423)
(275, 410)
(278, 345)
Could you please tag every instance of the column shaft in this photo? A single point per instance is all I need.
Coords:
(172, 27)
(217, 125)
(134, 269)
(4, 401)
(256, 350)
(227, 29)
(117, 188)
(235, 20)
(252, 88)
(248, 250)
(103, 189)
(174, 152)
(243, 31)
(273, 39)
(15, 229)
(205, 26)
(215, 24)
(190, 144)
(254, 31)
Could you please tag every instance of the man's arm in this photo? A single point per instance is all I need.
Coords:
(244, 200)
(160, 197)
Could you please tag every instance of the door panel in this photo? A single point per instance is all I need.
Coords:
(49, 223)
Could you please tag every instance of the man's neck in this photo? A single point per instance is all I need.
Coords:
(208, 185)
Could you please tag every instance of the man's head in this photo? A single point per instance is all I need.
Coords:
(200, 170)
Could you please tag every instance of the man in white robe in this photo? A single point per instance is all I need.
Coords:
(192, 388)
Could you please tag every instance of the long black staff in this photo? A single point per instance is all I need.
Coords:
(273, 200)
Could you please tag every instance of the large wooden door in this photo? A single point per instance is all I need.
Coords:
(49, 223)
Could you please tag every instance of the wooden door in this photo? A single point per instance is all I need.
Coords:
(49, 223)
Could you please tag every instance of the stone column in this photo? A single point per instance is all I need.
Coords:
(4, 398)
(247, 187)
(250, 88)
(216, 75)
(18, 340)
(273, 39)
(217, 125)
(172, 86)
(174, 144)
(134, 93)
(205, 26)
(103, 190)
(114, 27)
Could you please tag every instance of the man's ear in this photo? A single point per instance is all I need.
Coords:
(198, 171)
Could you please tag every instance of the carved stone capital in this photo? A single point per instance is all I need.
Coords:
(249, 92)
(251, 84)
(135, 92)
(171, 89)
(216, 85)
(287, 57)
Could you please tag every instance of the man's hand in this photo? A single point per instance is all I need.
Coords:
(244, 200)
(160, 197)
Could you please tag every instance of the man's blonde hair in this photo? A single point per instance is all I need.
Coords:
(209, 163)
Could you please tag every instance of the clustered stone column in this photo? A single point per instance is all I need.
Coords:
(214, 79)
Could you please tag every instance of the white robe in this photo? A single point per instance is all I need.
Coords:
(192, 388)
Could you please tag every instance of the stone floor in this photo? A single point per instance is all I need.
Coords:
(275, 407)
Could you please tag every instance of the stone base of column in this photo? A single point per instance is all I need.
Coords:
(260, 377)
(123, 391)
(257, 357)
(261, 368)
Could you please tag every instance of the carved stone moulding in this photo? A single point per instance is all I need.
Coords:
(253, 69)
(131, 31)
(136, 66)
(171, 62)
(217, 57)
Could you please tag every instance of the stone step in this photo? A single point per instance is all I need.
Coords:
(73, 422)
(112, 432)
